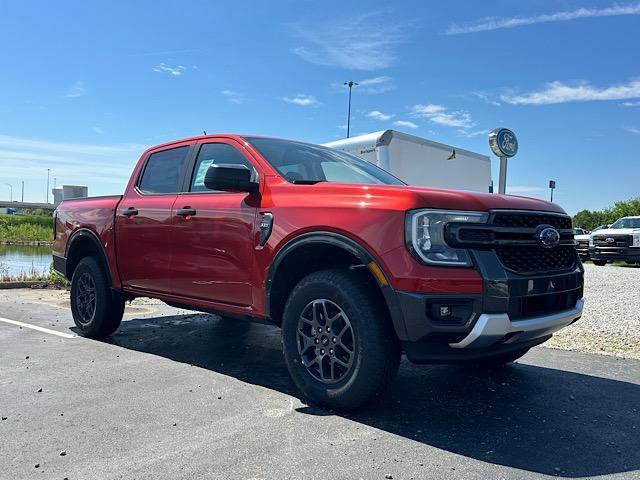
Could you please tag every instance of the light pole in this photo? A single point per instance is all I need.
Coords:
(349, 84)
(10, 191)
(48, 171)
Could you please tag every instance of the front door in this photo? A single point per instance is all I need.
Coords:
(213, 232)
(144, 218)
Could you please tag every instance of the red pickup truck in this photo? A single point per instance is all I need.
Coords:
(355, 266)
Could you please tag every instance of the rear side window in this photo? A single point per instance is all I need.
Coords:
(220, 154)
(163, 171)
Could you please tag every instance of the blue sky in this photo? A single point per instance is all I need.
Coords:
(86, 86)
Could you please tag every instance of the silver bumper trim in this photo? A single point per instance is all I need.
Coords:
(491, 327)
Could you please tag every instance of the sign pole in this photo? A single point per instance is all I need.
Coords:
(502, 185)
(504, 145)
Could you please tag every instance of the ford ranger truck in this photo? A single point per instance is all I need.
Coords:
(355, 267)
(618, 242)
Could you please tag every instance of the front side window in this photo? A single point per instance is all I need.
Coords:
(307, 164)
(163, 171)
(220, 154)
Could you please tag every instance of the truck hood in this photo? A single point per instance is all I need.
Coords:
(582, 237)
(617, 231)
(404, 197)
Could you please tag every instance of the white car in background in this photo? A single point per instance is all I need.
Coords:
(581, 236)
(620, 241)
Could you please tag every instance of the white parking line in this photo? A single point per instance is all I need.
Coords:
(40, 329)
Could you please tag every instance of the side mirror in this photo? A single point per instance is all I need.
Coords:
(229, 178)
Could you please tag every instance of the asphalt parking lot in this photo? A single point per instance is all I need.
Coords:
(180, 395)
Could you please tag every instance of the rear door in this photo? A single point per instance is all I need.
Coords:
(144, 218)
(213, 232)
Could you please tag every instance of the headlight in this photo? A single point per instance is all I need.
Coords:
(591, 244)
(636, 240)
(424, 231)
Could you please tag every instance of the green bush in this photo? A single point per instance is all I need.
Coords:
(589, 220)
(26, 228)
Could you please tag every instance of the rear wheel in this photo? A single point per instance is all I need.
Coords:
(338, 342)
(502, 359)
(600, 263)
(97, 310)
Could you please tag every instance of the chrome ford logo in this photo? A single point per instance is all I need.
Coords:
(547, 236)
(610, 240)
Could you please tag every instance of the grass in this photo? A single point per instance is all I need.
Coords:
(26, 228)
(32, 275)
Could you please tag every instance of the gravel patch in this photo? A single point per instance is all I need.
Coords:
(610, 324)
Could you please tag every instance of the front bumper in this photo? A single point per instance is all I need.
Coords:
(492, 328)
(615, 254)
(583, 250)
(514, 311)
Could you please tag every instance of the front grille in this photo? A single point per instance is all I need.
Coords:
(618, 240)
(537, 259)
(537, 305)
(530, 220)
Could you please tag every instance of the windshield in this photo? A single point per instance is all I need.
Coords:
(307, 164)
(627, 223)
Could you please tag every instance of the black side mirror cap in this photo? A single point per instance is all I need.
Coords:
(230, 178)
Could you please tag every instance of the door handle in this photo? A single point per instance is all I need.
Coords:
(186, 212)
(129, 212)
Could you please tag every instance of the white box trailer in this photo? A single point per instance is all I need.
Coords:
(419, 161)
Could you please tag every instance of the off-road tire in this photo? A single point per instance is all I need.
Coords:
(103, 317)
(376, 352)
(599, 263)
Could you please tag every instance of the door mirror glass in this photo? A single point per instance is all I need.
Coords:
(230, 178)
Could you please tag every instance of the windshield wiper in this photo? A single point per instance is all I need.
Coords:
(307, 182)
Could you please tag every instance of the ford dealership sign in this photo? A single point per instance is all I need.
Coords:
(503, 142)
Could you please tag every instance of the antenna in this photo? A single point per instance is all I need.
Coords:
(204, 131)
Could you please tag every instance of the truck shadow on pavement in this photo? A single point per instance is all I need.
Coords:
(532, 418)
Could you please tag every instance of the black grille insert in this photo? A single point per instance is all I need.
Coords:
(537, 259)
(530, 220)
(618, 240)
(536, 305)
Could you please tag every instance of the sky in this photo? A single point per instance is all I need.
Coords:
(85, 87)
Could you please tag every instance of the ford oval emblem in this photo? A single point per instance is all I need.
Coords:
(547, 236)
(610, 240)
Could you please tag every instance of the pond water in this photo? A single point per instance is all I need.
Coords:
(16, 260)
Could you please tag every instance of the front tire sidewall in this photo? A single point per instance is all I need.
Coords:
(364, 379)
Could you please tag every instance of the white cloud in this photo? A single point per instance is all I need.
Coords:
(405, 123)
(173, 71)
(104, 168)
(488, 99)
(635, 131)
(558, 92)
(495, 23)
(76, 90)
(631, 104)
(466, 133)
(232, 96)
(302, 100)
(97, 130)
(376, 85)
(378, 115)
(524, 189)
(382, 84)
(364, 42)
(440, 115)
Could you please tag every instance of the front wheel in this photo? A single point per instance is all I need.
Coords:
(338, 342)
(600, 263)
(97, 310)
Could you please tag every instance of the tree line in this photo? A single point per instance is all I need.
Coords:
(589, 220)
